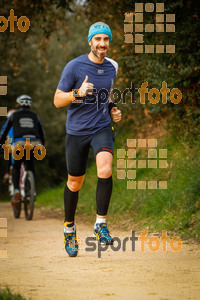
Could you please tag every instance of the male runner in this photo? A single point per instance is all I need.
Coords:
(85, 84)
(25, 124)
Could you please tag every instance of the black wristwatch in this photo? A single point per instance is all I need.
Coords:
(111, 105)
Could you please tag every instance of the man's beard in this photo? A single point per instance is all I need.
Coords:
(99, 55)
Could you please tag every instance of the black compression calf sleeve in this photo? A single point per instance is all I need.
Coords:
(70, 201)
(103, 195)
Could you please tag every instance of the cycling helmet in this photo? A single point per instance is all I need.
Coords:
(10, 112)
(24, 100)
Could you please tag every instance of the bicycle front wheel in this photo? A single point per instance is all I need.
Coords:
(29, 199)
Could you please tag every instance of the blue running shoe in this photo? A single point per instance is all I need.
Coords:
(71, 244)
(102, 235)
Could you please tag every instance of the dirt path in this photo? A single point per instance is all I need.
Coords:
(38, 267)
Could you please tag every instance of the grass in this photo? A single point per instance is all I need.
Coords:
(175, 209)
(7, 295)
(52, 197)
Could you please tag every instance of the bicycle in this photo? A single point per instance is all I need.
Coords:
(27, 192)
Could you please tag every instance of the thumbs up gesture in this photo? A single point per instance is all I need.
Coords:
(116, 114)
(86, 79)
(86, 88)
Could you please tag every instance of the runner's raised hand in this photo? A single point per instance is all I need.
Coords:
(86, 88)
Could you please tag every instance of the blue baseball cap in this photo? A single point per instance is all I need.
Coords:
(97, 28)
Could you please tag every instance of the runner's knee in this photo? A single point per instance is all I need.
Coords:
(75, 183)
(104, 171)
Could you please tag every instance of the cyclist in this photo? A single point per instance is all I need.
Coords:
(10, 136)
(26, 124)
(85, 85)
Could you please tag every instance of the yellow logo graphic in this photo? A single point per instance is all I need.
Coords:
(3, 234)
(127, 163)
(23, 22)
(3, 91)
(139, 27)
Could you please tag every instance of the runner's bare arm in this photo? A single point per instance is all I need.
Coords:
(62, 99)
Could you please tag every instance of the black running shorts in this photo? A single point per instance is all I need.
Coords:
(77, 148)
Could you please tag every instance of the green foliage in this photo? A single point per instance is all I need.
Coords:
(7, 295)
(52, 197)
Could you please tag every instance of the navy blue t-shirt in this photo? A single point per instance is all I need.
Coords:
(91, 115)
